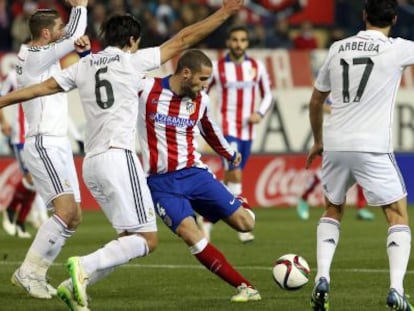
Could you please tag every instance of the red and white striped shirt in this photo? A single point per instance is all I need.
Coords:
(238, 85)
(17, 122)
(168, 126)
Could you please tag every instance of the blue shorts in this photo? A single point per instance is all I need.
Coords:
(177, 195)
(242, 146)
(18, 153)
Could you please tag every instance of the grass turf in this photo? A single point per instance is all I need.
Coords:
(171, 279)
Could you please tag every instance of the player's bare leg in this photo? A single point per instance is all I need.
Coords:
(233, 180)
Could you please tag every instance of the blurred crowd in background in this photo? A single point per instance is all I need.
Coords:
(269, 26)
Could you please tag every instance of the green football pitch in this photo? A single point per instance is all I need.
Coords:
(171, 279)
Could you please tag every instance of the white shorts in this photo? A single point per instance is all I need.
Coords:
(50, 161)
(377, 173)
(116, 180)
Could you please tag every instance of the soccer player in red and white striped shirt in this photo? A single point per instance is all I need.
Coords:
(240, 80)
(172, 113)
(15, 215)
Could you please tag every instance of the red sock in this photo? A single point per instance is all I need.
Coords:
(22, 197)
(17, 196)
(361, 202)
(311, 187)
(215, 261)
(26, 206)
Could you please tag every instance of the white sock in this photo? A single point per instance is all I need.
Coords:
(46, 246)
(99, 275)
(198, 247)
(235, 188)
(115, 253)
(327, 238)
(398, 250)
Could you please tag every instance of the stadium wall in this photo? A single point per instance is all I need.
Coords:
(270, 180)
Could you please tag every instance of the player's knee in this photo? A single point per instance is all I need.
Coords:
(152, 241)
(245, 220)
(70, 215)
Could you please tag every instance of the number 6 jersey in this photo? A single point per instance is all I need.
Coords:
(108, 84)
(363, 73)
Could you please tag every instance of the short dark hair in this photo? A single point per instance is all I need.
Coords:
(42, 19)
(381, 13)
(237, 28)
(119, 28)
(193, 60)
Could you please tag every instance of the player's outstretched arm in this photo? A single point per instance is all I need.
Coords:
(192, 34)
(48, 87)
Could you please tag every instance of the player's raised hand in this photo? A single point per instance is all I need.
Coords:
(232, 6)
(82, 44)
(74, 3)
(314, 152)
(255, 118)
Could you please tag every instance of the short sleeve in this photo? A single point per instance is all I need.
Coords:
(66, 77)
(405, 51)
(146, 59)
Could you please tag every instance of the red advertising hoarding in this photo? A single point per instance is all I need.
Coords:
(269, 180)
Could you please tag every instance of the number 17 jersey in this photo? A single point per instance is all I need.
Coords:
(363, 73)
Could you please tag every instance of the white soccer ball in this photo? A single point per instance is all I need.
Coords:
(291, 272)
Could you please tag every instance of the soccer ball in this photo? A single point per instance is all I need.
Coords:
(291, 272)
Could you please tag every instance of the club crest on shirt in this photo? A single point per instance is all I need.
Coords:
(66, 183)
(189, 106)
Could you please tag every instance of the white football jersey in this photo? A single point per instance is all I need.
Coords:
(47, 115)
(238, 86)
(169, 125)
(108, 84)
(363, 73)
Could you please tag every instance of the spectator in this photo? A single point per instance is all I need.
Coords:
(306, 39)
(5, 25)
(20, 28)
(278, 36)
(95, 21)
(165, 16)
(335, 34)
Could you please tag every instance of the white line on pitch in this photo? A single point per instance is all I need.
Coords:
(166, 266)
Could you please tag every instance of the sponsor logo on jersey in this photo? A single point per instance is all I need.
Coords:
(172, 120)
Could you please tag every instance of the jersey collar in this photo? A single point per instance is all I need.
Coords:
(165, 82)
(228, 59)
(372, 34)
